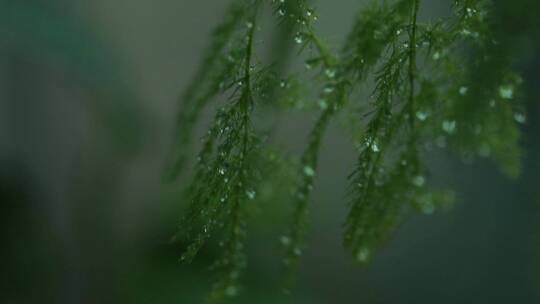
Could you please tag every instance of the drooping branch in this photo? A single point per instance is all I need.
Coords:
(421, 98)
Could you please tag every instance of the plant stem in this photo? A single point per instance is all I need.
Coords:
(412, 60)
(247, 96)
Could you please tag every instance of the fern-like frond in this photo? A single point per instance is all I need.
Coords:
(217, 70)
(440, 83)
(450, 106)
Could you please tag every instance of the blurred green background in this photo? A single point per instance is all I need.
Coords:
(88, 97)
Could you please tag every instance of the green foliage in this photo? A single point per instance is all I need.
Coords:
(219, 67)
(427, 93)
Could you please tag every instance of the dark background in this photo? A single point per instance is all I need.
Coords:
(88, 97)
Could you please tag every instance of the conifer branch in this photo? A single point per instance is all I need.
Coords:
(412, 60)
(218, 64)
(424, 96)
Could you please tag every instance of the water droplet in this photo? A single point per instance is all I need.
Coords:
(421, 115)
(372, 144)
(449, 126)
(362, 255)
(520, 118)
(463, 91)
(281, 12)
(251, 194)
(506, 92)
(330, 73)
(470, 12)
(298, 38)
(328, 89)
(297, 251)
(221, 171)
(419, 181)
(323, 104)
(436, 55)
(285, 240)
(308, 171)
(249, 24)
